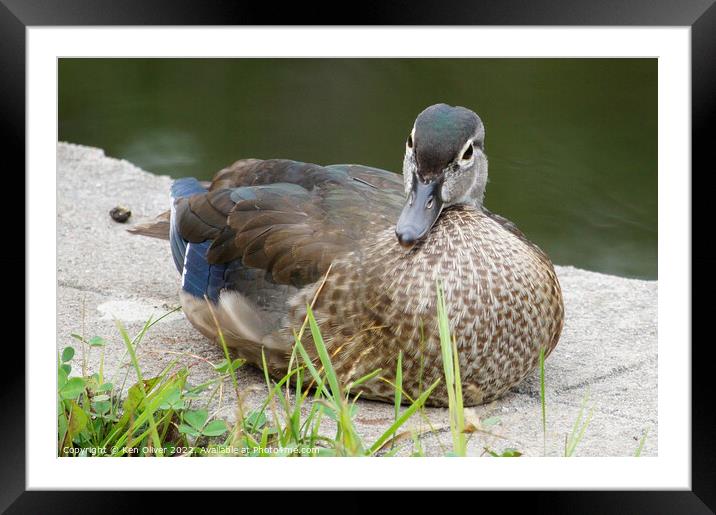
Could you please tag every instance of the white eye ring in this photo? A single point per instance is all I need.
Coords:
(469, 151)
(410, 142)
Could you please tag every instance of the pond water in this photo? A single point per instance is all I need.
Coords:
(572, 143)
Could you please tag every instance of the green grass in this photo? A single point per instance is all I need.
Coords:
(166, 416)
(572, 439)
(94, 421)
(579, 427)
(451, 367)
(642, 441)
(308, 412)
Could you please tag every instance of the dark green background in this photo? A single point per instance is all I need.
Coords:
(572, 143)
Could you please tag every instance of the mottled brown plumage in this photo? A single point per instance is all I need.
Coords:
(502, 295)
(293, 233)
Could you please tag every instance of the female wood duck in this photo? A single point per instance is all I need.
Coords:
(268, 237)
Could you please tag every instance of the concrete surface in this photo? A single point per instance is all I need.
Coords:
(608, 347)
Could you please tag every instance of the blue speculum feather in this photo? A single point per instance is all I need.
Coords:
(199, 277)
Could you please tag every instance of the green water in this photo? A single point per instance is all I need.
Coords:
(572, 143)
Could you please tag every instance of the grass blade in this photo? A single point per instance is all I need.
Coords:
(401, 420)
(451, 369)
(323, 355)
(579, 427)
(637, 453)
(133, 356)
(398, 384)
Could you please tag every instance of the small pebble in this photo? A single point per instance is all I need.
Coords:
(120, 214)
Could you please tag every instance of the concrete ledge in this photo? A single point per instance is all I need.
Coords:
(608, 347)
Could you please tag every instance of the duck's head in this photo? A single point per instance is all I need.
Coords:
(445, 165)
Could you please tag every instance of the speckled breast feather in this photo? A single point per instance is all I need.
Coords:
(503, 298)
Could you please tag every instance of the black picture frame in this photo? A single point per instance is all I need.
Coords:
(700, 15)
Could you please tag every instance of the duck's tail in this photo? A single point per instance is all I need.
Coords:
(157, 228)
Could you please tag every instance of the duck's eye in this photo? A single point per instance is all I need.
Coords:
(410, 141)
(468, 153)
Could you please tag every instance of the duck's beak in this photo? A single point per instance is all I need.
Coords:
(420, 212)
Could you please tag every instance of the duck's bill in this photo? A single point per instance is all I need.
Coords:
(420, 212)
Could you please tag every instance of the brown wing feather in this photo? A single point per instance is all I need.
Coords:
(288, 218)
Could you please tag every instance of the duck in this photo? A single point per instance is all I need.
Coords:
(365, 248)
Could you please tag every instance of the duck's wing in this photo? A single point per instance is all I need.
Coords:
(288, 218)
